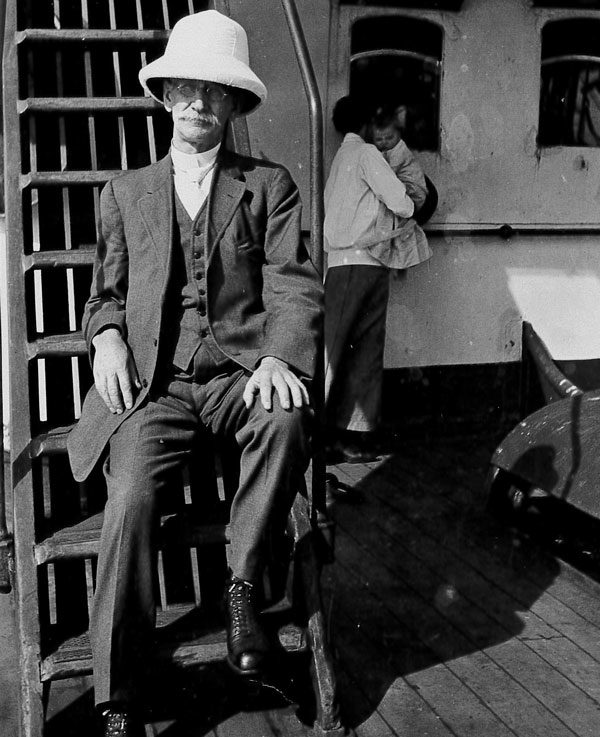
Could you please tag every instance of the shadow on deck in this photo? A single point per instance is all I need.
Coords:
(447, 621)
(444, 621)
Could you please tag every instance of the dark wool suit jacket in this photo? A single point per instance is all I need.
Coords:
(263, 293)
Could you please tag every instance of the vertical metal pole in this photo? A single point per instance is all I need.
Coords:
(316, 236)
(311, 89)
(328, 718)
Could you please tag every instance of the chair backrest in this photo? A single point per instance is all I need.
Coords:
(554, 384)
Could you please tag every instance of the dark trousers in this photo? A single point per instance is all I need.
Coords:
(356, 298)
(156, 439)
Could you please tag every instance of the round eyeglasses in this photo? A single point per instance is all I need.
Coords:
(210, 91)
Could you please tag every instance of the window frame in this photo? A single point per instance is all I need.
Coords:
(565, 57)
(343, 18)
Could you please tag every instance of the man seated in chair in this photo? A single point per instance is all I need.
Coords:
(204, 313)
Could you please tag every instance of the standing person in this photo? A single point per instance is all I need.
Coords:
(204, 313)
(363, 241)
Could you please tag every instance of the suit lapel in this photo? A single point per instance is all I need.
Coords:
(156, 209)
(226, 193)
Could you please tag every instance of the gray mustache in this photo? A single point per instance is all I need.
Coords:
(201, 119)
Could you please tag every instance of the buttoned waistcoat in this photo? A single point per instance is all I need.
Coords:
(263, 294)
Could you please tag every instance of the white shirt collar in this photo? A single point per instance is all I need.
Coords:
(353, 137)
(189, 162)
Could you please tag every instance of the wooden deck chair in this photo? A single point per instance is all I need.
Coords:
(553, 450)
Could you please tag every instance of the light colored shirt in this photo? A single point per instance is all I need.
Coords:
(409, 172)
(192, 175)
(361, 186)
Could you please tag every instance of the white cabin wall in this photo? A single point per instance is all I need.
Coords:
(466, 305)
(489, 169)
(490, 91)
(279, 130)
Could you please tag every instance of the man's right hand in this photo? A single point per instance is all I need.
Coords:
(115, 373)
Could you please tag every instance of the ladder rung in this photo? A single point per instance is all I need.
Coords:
(207, 644)
(82, 540)
(78, 541)
(89, 35)
(50, 443)
(67, 178)
(88, 105)
(69, 344)
(82, 256)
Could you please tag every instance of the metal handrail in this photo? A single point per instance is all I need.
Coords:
(328, 719)
(311, 89)
(317, 217)
(5, 536)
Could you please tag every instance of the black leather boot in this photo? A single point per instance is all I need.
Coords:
(247, 643)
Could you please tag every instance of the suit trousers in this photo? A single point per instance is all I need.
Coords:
(147, 447)
(356, 298)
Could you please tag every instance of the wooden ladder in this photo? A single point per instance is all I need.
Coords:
(74, 117)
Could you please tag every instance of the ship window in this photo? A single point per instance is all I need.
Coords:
(570, 83)
(395, 66)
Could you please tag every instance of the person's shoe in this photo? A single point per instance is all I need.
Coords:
(117, 721)
(338, 490)
(333, 454)
(247, 644)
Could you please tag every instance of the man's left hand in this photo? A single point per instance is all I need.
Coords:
(275, 375)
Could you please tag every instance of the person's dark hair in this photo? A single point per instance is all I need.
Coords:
(349, 115)
(383, 118)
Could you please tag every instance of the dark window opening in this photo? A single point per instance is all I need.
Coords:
(570, 83)
(396, 66)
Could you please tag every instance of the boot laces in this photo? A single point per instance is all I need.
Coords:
(241, 599)
(116, 724)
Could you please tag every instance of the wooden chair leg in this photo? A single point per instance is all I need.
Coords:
(32, 708)
(306, 565)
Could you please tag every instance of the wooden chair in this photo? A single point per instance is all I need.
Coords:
(552, 452)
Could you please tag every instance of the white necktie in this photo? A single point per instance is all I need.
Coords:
(192, 187)
(196, 174)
